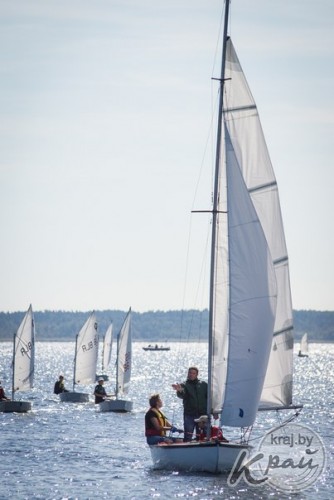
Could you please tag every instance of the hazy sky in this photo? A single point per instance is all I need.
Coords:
(105, 112)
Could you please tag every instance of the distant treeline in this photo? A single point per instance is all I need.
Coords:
(151, 326)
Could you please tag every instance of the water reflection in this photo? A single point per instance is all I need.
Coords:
(68, 450)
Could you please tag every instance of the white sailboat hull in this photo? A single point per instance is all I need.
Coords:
(116, 405)
(15, 406)
(196, 456)
(74, 397)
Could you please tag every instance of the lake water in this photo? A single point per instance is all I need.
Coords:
(71, 451)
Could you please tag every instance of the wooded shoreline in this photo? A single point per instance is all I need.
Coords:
(153, 326)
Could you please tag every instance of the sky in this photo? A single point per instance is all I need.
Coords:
(105, 116)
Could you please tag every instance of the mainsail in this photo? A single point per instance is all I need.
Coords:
(86, 352)
(24, 353)
(256, 327)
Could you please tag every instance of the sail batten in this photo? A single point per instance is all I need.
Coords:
(239, 108)
(263, 186)
(285, 330)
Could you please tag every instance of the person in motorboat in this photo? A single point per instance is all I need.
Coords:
(3, 396)
(156, 424)
(100, 392)
(216, 434)
(194, 393)
(59, 386)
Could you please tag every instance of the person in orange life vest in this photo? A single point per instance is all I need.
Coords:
(3, 396)
(215, 434)
(156, 424)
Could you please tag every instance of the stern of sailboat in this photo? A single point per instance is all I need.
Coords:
(74, 397)
(116, 405)
(213, 457)
(15, 406)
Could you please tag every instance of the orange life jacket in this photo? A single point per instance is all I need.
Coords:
(162, 421)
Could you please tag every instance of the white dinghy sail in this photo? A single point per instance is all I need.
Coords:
(250, 315)
(123, 370)
(85, 360)
(23, 364)
(303, 351)
(107, 348)
(106, 352)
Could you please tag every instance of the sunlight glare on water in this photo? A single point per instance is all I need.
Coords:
(61, 450)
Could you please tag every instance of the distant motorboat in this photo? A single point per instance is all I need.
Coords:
(156, 347)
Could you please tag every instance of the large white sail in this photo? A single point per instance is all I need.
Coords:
(242, 121)
(124, 356)
(249, 281)
(107, 346)
(24, 353)
(87, 346)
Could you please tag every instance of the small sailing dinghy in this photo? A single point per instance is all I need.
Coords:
(106, 352)
(23, 364)
(85, 361)
(303, 351)
(250, 342)
(123, 371)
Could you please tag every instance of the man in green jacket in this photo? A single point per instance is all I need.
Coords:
(194, 393)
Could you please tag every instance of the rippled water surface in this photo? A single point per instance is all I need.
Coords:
(70, 451)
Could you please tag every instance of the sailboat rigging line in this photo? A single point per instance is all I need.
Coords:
(245, 434)
(273, 429)
(285, 422)
(280, 408)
